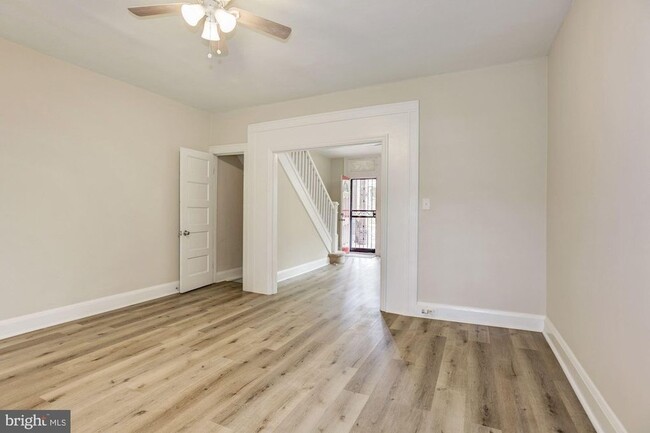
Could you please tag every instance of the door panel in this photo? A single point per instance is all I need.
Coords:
(345, 214)
(197, 220)
(363, 215)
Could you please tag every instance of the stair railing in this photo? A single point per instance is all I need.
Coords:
(314, 186)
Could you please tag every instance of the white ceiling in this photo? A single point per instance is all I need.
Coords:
(335, 44)
(350, 151)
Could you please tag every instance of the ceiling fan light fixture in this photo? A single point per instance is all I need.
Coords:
(192, 13)
(226, 20)
(210, 30)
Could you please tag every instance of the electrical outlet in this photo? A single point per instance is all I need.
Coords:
(427, 311)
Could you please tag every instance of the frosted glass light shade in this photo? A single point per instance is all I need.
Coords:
(226, 20)
(192, 13)
(210, 30)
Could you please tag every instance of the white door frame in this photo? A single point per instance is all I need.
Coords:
(379, 175)
(227, 150)
(396, 126)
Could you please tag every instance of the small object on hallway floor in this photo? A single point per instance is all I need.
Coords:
(337, 258)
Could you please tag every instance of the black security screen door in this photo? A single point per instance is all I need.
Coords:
(363, 215)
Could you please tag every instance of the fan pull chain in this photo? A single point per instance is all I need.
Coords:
(211, 52)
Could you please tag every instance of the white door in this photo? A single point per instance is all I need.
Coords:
(345, 214)
(197, 221)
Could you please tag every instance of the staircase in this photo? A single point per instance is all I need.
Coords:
(304, 178)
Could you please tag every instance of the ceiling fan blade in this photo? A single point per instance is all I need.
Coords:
(146, 11)
(262, 24)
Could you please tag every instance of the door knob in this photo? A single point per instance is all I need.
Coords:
(184, 233)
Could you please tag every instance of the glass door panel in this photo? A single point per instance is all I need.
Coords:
(363, 215)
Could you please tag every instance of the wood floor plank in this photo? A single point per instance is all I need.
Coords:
(546, 402)
(316, 357)
(482, 396)
(448, 411)
(341, 415)
(307, 414)
(571, 402)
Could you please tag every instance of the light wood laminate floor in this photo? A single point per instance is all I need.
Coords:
(317, 357)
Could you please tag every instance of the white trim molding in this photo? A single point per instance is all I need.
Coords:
(285, 274)
(481, 316)
(396, 127)
(228, 149)
(228, 275)
(56, 316)
(600, 414)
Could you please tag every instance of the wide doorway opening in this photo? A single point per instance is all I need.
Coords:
(395, 128)
(314, 202)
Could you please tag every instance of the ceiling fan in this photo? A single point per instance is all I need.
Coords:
(218, 20)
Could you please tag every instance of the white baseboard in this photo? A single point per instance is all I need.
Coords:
(481, 316)
(601, 415)
(229, 275)
(43, 319)
(302, 269)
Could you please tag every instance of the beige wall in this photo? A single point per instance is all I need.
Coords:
(88, 183)
(230, 213)
(483, 164)
(334, 183)
(298, 240)
(599, 198)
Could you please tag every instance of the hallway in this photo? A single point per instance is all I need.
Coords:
(318, 356)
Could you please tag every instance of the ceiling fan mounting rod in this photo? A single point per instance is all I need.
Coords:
(215, 4)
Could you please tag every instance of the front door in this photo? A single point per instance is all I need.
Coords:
(363, 215)
(345, 214)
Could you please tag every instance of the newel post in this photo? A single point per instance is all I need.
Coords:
(334, 232)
